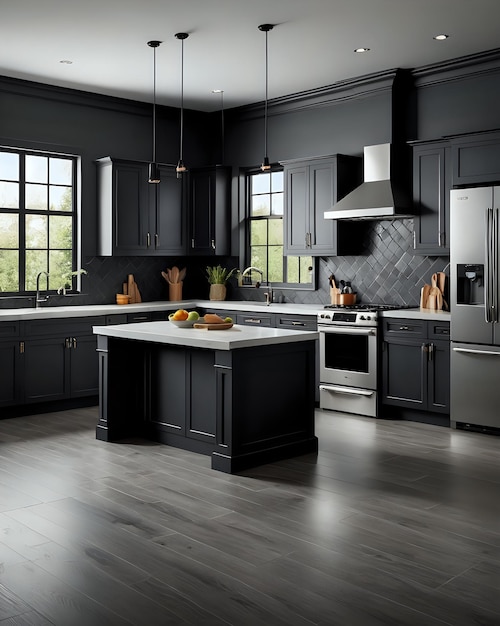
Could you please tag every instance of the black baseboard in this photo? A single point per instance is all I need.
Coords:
(48, 407)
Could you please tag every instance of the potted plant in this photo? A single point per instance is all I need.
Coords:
(217, 277)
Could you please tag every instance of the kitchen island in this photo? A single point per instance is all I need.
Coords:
(244, 396)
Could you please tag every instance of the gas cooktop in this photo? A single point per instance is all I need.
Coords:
(365, 307)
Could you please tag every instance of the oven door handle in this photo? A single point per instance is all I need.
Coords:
(346, 390)
(342, 330)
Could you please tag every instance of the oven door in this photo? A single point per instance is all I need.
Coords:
(348, 356)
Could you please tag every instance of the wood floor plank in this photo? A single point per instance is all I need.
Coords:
(392, 523)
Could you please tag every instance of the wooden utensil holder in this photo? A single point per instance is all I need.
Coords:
(341, 298)
(175, 291)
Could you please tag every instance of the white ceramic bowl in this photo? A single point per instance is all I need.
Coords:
(182, 323)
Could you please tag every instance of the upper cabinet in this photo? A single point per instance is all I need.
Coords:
(209, 211)
(476, 159)
(137, 218)
(431, 197)
(312, 186)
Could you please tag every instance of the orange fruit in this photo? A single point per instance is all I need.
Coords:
(180, 315)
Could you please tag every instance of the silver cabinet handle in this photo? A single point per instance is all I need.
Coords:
(148, 240)
(213, 244)
(346, 390)
(480, 352)
(157, 240)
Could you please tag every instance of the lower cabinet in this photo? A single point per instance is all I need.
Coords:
(10, 378)
(184, 399)
(60, 359)
(416, 365)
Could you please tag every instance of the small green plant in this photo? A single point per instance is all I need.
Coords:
(68, 280)
(218, 275)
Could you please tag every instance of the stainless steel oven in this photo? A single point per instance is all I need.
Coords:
(348, 365)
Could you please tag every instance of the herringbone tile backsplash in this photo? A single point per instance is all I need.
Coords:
(387, 272)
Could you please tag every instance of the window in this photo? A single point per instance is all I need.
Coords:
(37, 218)
(265, 201)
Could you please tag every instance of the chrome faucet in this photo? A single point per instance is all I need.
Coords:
(269, 292)
(39, 298)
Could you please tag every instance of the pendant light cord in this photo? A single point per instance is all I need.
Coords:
(154, 104)
(267, 95)
(182, 100)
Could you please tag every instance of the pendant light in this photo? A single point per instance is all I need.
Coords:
(153, 170)
(181, 168)
(265, 167)
(221, 92)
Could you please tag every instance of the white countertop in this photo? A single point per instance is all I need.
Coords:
(231, 339)
(162, 305)
(167, 305)
(419, 314)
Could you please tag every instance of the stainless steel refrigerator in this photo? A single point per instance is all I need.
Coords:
(475, 309)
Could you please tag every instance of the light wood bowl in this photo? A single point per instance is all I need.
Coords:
(121, 298)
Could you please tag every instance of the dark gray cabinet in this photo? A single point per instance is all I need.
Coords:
(416, 364)
(209, 211)
(312, 186)
(135, 217)
(431, 197)
(60, 359)
(476, 159)
(11, 348)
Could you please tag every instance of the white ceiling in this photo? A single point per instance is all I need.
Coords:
(312, 44)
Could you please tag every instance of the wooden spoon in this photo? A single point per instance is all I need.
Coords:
(166, 277)
(175, 274)
(182, 274)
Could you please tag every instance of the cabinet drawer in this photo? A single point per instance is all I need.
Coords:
(438, 330)
(254, 319)
(58, 326)
(138, 317)
(404, 327)
(9, 330)
(295, 322)
(116, 319)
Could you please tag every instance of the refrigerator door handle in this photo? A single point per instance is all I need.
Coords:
(495, 224)
(481, 352)
(489, 267)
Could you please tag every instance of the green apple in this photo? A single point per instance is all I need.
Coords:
(193, 316)
(228, 320)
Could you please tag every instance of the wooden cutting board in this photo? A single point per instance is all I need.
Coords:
(223, 326)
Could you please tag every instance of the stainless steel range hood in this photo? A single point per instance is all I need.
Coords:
(380, 196)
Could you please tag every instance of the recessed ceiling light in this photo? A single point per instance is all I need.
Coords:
(217, 91)
(66, 62)
(360, 50)
(441, 37)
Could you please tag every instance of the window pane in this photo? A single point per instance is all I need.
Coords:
(36, 261)
(275, 232)
(292, 264)
(9, 274)
(305, 264)
(36, 232)
(60, 171)
(60, 231)
(60, 199)
(36, 197)
(9, 231)
(261, 183)
(9, 195)
(258, 233)
(275, 264)
(277, 204)
(260, 205)
(60, 264)
(277, 181)
(258, 257)
(9, 166)
(36, 169)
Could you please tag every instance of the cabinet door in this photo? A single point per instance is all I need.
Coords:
(10, 375)
(168, 390)
(431, 191)
(438, 377)
(404, 373)
(476, 159)
(297, 210)
(84, 366)
(321, 199)
(45, 363)
(202, 394)
(168, 236)
(209, 215)
(131, 207)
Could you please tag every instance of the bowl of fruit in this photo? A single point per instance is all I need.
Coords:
(184, 319)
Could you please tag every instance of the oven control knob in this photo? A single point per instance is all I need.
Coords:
(362, 317)
(368, 317)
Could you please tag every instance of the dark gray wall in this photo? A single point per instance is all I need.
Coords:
(458, 97)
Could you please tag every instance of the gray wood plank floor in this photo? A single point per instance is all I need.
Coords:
(392, 523)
